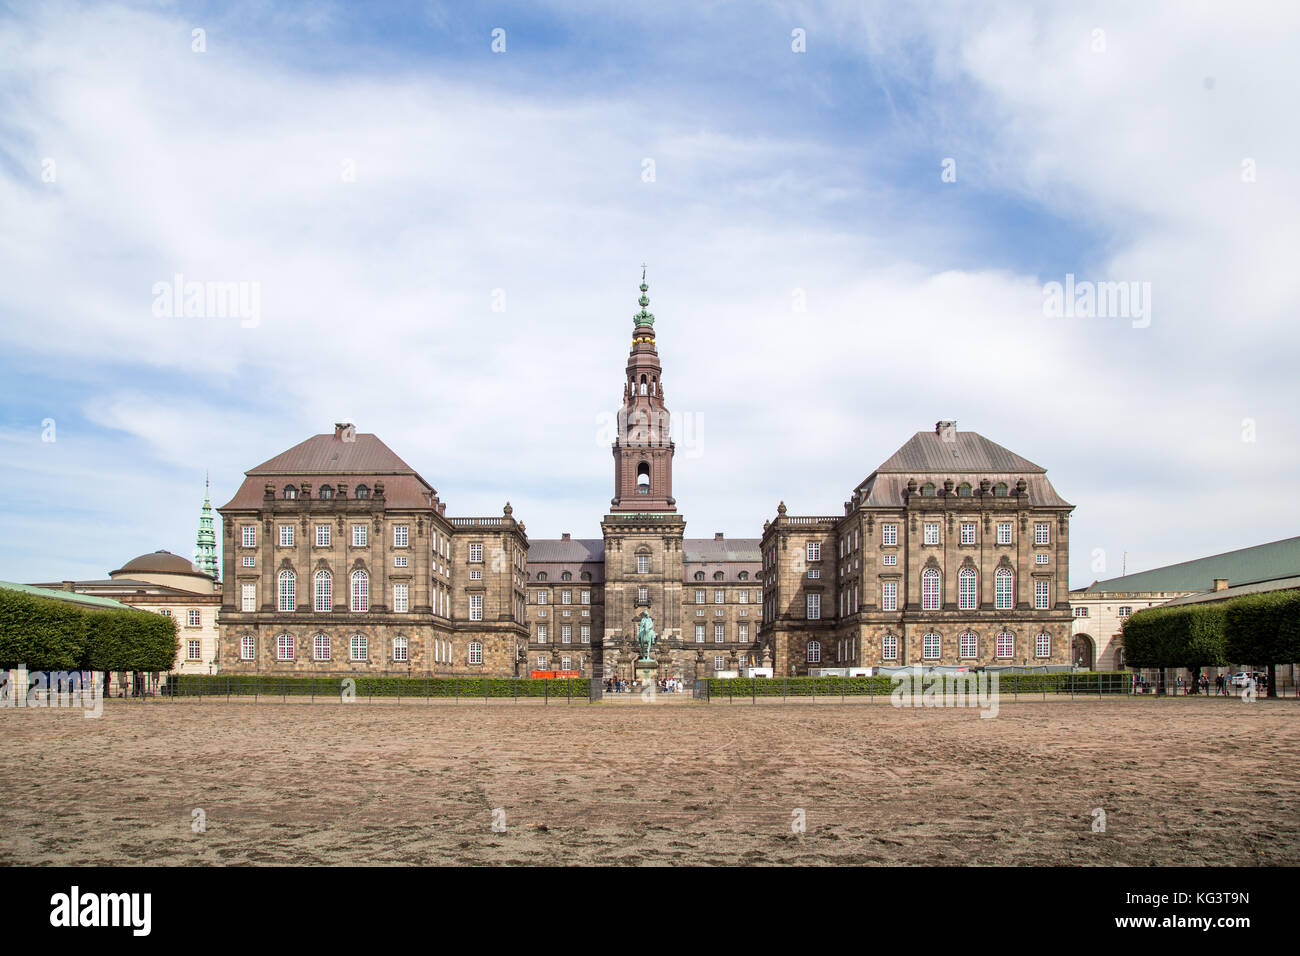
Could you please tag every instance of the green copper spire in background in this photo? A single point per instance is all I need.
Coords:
(643, 317)
(205, 551)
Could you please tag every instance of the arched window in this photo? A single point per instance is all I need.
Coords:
(966, 589)
(889, 647)
(643, 385)
(362, 491)
(718, 575)
(359, 647)
(326, 491)
(1002, 591)
(247, 647)
(360, 591)
(963, 490)
(287, 591)
(643, 478)
(475, 652)
(930, 645)
(541, 575)
(930, 589)
(654, 384)
(968, 645)
(399, 649)
(699, 575)
(320, 647)
(1043, 645)
(290, 492)
(586, 575)
(814, 652)
(1000, 490)
(744, 575)
(284, 647)
(1006, 647)
(927, 490)
(323, 586)
(566, 576)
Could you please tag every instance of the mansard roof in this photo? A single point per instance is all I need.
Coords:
(715, 550)
(566, 550)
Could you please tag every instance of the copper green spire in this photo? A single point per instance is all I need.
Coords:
(644, 317)
(205, 551)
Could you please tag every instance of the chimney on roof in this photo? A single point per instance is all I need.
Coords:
(946, 430)
(565, 536)
(717, 536)
(1220, 584)
(345, 431)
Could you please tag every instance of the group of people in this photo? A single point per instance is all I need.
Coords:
(619, 685)
(1223, 685)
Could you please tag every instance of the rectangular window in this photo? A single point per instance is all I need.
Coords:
(543, 635)
(968, 645)
(719, 633)
(889, 647)
(1080, 612)
(476, 574)
(699, 633)
(542, 661)
(250, 536)
(1125, 611)
(1004, 532)
(320, 647)
(718, 663)
(742, 633)
(401, 598)
(476, 553)
(701, 596)
(814, 607)
(399, 648)
(248, 597)
(814, 550)
(286, 536)
(566, 663)
(719, 596)
(475, 652)
(889, 560)
(566, 597)
(193, 650)
(322, 536)
(476, 607)
(931, 532)
(248, 561)
(543, 597)
(816, 573)
(400, 534)
(399, 561)
(889, 534)
(930, 647)
(246, 647)
(643, 564)
(1006, 644)
(359, 647)
(284, 647)
(742, 597)
(1043, 595)
(889, 596)
(584, 634)
(585, 597)
(566, 634)
(1042, 533)
(1041, 558)
(359, 535)
(1043, 645)
(193, 617)
(643, 595)
(968, 532)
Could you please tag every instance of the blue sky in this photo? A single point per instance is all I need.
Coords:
(779, 177)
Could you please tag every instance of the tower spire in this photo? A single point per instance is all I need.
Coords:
(643, 323)
(205, 546)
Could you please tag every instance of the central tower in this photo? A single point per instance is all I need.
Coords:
(643, 532)
(643, 451)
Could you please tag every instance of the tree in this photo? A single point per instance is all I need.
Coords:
(1190, 636)
(1264, 629)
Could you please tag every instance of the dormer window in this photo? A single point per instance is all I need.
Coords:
(566, 576)
(927, 490)
(326, 491)
(1000, 490)
(290, 493)
(963, 490)
(362, 491)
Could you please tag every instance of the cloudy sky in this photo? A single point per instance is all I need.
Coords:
(844, 244)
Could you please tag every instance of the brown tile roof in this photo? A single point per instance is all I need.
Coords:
(322, 459)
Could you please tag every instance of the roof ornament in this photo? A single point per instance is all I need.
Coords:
(644, 317)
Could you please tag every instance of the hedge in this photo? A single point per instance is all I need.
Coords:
(47, 634)
(1264, 628)
(1192, 636)
(1114, 682)
(365, 687)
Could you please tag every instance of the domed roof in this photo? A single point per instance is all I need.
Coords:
(159, 562)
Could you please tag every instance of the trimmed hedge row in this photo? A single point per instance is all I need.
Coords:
(364, 687)
(1188, 636)
(51, 635)
(1109, 682)
(1264, 628)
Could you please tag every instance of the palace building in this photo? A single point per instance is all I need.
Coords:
(340, 558)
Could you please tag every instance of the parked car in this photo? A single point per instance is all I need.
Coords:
(1240, 680)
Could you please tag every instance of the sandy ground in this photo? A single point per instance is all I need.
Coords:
(1181, 782)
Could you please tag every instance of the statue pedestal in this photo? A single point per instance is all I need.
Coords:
(647, 670)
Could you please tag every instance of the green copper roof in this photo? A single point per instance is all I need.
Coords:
(1264, 562)
(72, 597)
(643, 317)
(205, 550)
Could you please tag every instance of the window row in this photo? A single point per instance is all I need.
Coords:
(932, 646)
(566, 634)
(322, 649)
(325, 492)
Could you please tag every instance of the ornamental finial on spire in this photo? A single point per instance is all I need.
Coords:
(644, 317)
